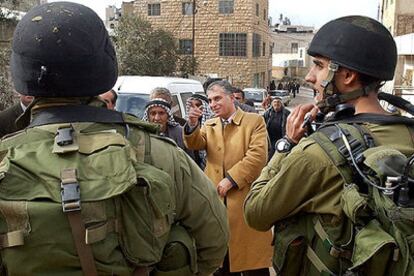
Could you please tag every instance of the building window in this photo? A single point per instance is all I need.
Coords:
(301, 53)
(256, 45)
(226, 6)
(187, 8)
(264, 49)
(264, 14)
(270, 50)
(186, 46)
(294, 47)
(257, 9)
(233, 44)
(154, 9)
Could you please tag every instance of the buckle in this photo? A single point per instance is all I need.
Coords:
(333, 66)
(64, 136)
(70, 193)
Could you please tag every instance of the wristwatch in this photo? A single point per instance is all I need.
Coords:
(284, 145)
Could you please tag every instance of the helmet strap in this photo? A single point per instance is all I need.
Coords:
(329, 88)
(332, 97)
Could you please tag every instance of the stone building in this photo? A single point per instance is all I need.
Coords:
(231, 38)
(290, 43)
(397, 16)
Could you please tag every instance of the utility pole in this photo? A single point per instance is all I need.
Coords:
(192, 54)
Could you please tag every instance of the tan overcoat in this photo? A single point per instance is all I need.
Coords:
(238, 150)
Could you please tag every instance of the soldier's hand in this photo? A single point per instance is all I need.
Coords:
(193, 115)
(224, 186)
(294, 126)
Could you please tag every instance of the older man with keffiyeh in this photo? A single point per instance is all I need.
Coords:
(158, 111)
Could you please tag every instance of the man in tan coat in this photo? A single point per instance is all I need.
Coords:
(236, 146)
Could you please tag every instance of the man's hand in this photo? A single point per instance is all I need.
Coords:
(224, 186)
(294, 125)
(193, 115)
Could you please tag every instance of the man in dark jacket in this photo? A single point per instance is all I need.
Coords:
(8, 116)
(275, 118)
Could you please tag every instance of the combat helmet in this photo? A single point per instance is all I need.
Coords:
(358, 43)
(62, 49)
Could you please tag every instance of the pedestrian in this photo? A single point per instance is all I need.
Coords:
(158, 111)
(164, 93)
(275, 118)
(201, 102)
(109, 98)
(319, 192)
(272, 85)
(88, 190)
(9, 116)
(280, 86)
(236, 146)
(240, 101)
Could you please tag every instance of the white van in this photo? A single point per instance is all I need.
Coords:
(135, 91)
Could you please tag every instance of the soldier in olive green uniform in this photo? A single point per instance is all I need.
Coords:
(302, 189)
(89, 190)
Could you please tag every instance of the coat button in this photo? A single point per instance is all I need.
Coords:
(217, 171)
(219, 149)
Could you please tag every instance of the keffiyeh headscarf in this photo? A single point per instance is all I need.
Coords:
(158, 102)
(207, 112)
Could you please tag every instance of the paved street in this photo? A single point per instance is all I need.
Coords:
(305, 96)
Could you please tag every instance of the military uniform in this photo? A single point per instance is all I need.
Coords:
(86, 190)
(306, 182)
(112, 176)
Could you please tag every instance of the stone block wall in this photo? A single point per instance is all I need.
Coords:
(209, 23)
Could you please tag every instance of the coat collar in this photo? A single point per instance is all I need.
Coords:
(238, 116)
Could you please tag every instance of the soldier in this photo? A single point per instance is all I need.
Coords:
(329, 215)
(90, 190)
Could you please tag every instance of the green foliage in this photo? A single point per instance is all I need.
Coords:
(142, 50)
(188, 65)
(6, 92)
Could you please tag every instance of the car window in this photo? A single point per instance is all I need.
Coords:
(185, 96)
(254, 96)
(175, 107)
(132, 103)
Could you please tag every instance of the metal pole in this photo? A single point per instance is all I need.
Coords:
(192, 54)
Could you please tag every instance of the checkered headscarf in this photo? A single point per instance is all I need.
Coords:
(207, 112)
(160, 103)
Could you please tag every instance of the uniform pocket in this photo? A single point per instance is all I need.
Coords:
(373, 250)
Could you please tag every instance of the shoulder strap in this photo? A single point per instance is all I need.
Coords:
(329, 137)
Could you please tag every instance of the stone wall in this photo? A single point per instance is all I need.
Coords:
(208, 26)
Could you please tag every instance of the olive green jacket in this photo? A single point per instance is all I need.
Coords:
(195, 203)
(306, 180)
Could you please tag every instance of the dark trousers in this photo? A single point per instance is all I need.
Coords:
(225, 270)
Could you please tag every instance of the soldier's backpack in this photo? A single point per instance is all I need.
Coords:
(378, 200)
(82, 195)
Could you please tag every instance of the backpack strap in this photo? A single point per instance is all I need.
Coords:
(71, 206)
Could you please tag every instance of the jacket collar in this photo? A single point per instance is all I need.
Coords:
(237, 118)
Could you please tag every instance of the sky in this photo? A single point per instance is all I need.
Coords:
(300, 12)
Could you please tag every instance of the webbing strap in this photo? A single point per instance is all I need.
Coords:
(333, 251)
(10, 239)
(68, 177)
(317, 263)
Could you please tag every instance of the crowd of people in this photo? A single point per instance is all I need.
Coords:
(224, 191)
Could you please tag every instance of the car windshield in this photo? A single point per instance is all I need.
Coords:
(132, 103)
(255, 96)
